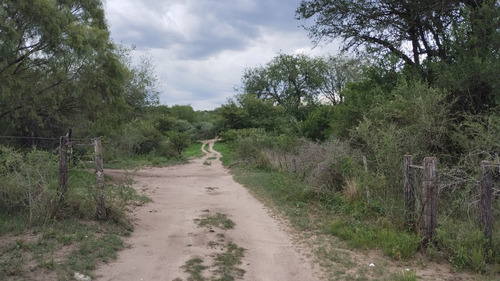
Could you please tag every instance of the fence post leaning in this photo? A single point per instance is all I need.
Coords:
(430, 198)
(485, 198)
(410, 194)
(101, 205)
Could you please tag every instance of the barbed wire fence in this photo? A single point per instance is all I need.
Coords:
(470, 191)
(63, 146)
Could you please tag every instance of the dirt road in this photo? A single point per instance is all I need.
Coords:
(167, 236)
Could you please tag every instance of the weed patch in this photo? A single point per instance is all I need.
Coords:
(218, 220)
(226, 263)
(195, 268)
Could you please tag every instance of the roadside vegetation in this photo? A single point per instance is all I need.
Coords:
(321, 138)
(324, 138)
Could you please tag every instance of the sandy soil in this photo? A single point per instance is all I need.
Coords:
(166, 235)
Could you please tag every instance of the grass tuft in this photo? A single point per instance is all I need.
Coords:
(218, 220)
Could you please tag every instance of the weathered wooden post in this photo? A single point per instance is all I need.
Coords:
(410, 195)
(430, 198)
(101, 205)
(63, 167)
(485, 197)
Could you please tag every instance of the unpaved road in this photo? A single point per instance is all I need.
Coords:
(166, 235)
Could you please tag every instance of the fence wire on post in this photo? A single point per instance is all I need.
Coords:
(101, 205)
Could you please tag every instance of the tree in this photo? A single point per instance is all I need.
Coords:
(292, 81)
(339, 71)
(410, 29)
(248, 111)
(421, 33)
(141, 83)
(57, 66)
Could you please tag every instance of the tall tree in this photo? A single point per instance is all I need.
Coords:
(420, 33)
(56, 63)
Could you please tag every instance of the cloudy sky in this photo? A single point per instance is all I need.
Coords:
(201, 47)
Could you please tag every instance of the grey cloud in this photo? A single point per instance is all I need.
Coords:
(225, 25)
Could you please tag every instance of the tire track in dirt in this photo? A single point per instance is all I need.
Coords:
(166, 235)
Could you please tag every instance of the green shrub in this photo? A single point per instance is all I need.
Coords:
(176, 142)
(414, 120)
(463, 243)
(29, 183)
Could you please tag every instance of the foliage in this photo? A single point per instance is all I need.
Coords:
(141, 83)
(183, 112)
(453, 43)
(178, 141)
(415, 120)
(247, 111)
(373, 88)
(464, 244)
(340, 70)
(317, 124)
(29, 184)
(292, 81)
(78, 246)
(56, 64)
(60, 70)
(476, 137)
(394, 243)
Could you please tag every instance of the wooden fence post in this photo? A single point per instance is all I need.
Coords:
(101, 205)
(486, 195)
(63, 167)
(410, 194)
(430, 198)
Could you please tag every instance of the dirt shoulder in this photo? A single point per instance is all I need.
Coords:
(167, 236)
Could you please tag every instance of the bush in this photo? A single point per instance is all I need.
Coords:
(414, 120)
(464, 244)
(29, 184)
(177, 142)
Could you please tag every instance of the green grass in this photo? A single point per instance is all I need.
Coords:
(69, 240)
(60, 248)
(362, 235)
(226, 257)
(194, 150)
(226, 263)
(217, 220)
(195, 268)
(224, 266)
(327, 216)
(223, 148)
